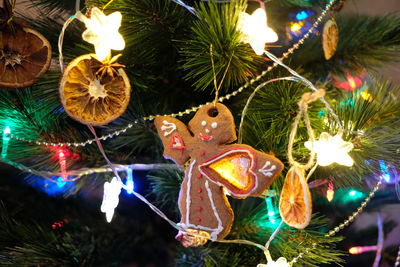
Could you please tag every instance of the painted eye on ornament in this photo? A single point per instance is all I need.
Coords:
(203, 123)
(214, 125)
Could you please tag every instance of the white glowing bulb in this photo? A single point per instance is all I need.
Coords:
(330, 149)
(102, 32)
(281, 262)
(256, 31)
(110, 198)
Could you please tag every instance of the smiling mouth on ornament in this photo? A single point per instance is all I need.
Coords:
(205, 137)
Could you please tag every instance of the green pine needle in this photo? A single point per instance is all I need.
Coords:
(217, 27)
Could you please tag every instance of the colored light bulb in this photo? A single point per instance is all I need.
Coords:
(271, 210)
(6, 141)
(352, 193)
(330, 193)
(385, 171)
(63, 165)
(303, 15)
(295, 27)
(359, 250)
(60, 182)
(129, 181)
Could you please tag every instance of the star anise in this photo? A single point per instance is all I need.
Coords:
(109, 66)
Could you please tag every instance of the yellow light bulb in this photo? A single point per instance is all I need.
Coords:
(330, 149)
(354, 250)
(255, 30)
(366, 96)
(352, 83)
(296, 26)
(102, 32)
(330, 194)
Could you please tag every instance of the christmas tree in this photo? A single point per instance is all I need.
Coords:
(196, 133)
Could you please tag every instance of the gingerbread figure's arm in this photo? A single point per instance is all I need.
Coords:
(175, 137)
(267, 170)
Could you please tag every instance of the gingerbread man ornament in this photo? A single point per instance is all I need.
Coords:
(215, 168)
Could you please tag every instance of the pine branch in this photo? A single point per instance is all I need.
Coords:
(217, 27)
(364, 41)
(85, 238)
(23, 243)
(377, 117)
(165, 185)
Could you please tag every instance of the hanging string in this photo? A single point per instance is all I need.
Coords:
(305, 100)
(215, 76)
(313, 168)
(77, 5)
(106, 5)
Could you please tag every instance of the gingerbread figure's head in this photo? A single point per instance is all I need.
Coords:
(213, 124)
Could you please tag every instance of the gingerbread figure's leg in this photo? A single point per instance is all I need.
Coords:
(220, 207)
(206, 213)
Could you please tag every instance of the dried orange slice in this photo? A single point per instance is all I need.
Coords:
(25, 54)
(330, 38)
(295, 203)
(92, 95)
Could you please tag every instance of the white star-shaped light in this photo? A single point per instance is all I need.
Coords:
(102, 32)
(256, 31)
(110, 198)
(330, 149)
(281, 262)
